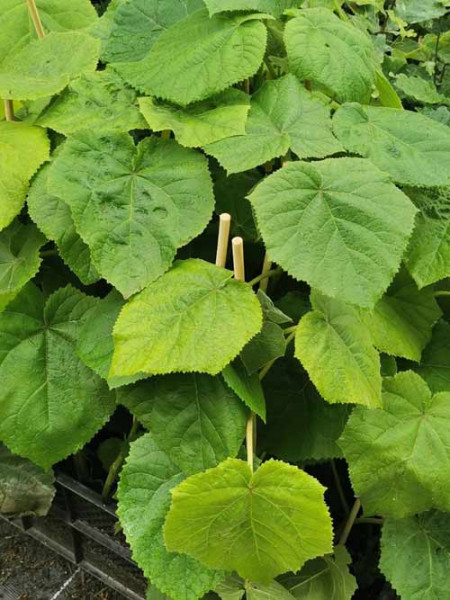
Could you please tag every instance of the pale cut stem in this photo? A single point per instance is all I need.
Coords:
(222, 240)
(9, 110)
(34, 14)
(267, 266)
(350, 521)
(165, 134)
(250, 439)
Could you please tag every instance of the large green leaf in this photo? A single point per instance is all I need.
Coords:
(23, 149)
(50, 403)
(44, 67)
(434, 366)
(246, 387)
(300, 425)
(199, 57)
(133, 205)
(415, 556)
(17, 29)
(325, 578)
(25, 489)
(144, 500)
(412, 148)
(428, 257)
(332, 53)
(336, 350)
(234, 588)
(53, 217)
(99, 100)
(194, 318)
(283, 115)
(273, 7)
(268, 345)
(196, 419)
(203, 122)
(137, 24)
(402, 320)
(339, 224)
(259, 525)
(420, 89)
(19, 259)
(399, 455)
(416, 11)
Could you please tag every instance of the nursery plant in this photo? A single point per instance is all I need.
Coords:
(224, 286)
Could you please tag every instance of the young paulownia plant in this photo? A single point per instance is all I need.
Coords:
(268, 427)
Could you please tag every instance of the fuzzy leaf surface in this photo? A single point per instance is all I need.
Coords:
(333, 222)
(272, 7)
(434, 366)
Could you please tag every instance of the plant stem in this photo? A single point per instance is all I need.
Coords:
(259, 278)
(45, 253)
(289, 330)
(339, 10)
(339, 488)
(441, 294)
(117, 464)
(350, 521)
(369, 521)
(34, 14)
(267, 266)
(9, 110)
(165, 134)
(270, 364)
(247, 86)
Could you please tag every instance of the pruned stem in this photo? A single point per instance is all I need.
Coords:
(34, 14)
(9, 110)
(267, 266)
(222, 240)
(350, 521)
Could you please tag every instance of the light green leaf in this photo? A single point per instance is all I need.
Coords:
(283, 115)
(133, 205)
(428, 256)
(44, 67)
(25, 489)
(333, 222)
(434, 366)
(271, 591)
(300, 425)
(59, 404)
(95, 344)
(19, 259)
(336, 350)
(194, 318)
(271, 312)
(259, 525)
(416, 11)
(415, 556)
(54, 219)
(420, 89)
(247, 387)
(386, 93)
(99, 100)
(273, 7)
(269, 344)
(23, 149)
(203, 122)
(399, 455)
(332, 53)
(231, 589)
(325, 578)
(401, 322)
(412, 148)
(195, 419)
(137, 24)
(17, 29)
(199, 57)
(144, 500)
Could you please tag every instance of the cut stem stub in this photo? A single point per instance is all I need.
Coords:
(222, 240)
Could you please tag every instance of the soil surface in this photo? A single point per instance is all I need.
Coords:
(29, 571)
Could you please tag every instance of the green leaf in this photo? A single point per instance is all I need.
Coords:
(273, 7)
(233, 588)
(332, 222)
(416, 11)
(271, 591)
(428, 257)
(144, 500)
(399, 455)
(133, 205)
(203, 122)
(434, 366)
(195, 419)
(17, 29)
(95, 344)
(19, 259)
(336, 350)
(269, 344)
(300, 425)
(25, 489)
(421, 543)
(259, 525)
(420, 89)
(247, 387)
(325, 578)
(271, 312)
(332, 53)
(386, 93)
(283, 115)
(23, 149)
(54, 219)
(199, 57)
(412, 148)
(194, 318)
(401, 322)
(44, 67)
(137, 24)
(99, 100)
(59, 404)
